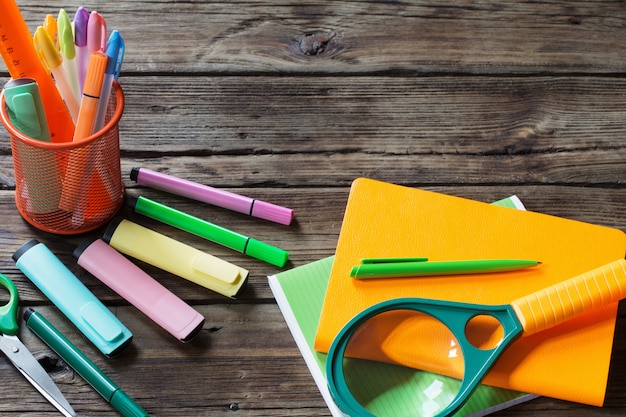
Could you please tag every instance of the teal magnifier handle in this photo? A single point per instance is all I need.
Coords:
(455, 316)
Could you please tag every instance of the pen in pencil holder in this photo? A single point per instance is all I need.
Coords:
(68, 187)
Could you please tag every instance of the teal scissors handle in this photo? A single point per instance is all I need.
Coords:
(8, 312)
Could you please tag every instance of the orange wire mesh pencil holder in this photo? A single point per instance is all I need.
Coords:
(69, 187)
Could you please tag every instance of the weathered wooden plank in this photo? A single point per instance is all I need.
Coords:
(597, 168)
(439, 130)
(364, 36)
(385, 115)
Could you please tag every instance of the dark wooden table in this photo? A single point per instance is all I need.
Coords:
(291, 101)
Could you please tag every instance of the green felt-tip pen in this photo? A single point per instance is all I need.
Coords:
(210, 231)
(419, 267)
(82, 365)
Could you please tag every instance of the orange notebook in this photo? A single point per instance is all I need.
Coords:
(570, 361)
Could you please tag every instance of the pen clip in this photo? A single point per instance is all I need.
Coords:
(365, 261)
(96, 32)
(65, 36)
(115, 52)
(51, 27)
(48, 54)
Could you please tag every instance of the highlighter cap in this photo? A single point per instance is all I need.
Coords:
(126, 405)
(25, 108)
(267, 253)
(108, 232)
(24, 248)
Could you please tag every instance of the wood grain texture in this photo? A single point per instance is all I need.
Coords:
(364, 37)
(289, 102)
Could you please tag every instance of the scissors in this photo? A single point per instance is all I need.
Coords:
(524, 316)
(21, 357)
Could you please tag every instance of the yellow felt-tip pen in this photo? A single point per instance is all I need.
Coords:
(419, 267)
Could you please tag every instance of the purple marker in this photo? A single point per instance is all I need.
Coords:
(214, 196)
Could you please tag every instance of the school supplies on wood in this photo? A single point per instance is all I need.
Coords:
(570, 361)
(299, 293)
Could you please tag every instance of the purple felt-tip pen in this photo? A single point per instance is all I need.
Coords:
(210, 195)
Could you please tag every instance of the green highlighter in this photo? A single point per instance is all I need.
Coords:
(210, 231)
(38, 166)
(82, 365)
(25, 108)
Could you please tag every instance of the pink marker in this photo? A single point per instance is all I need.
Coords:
(139, 289)
(214, 196)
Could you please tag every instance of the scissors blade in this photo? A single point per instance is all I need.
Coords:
(26, 363)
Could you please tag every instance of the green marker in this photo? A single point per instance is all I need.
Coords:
(419, 267)
(210, 231)
(82, 365)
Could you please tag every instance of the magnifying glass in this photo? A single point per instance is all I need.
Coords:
(449, 347)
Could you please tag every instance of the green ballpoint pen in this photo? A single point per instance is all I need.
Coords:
(420, 267)
(210, 231)
(82, 365)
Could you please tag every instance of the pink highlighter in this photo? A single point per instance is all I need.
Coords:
(139, 289)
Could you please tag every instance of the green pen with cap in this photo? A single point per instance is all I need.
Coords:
(82, 365)
(210, 231)
(421, 267)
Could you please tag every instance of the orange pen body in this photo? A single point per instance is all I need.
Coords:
(91, 95)
(21, 59)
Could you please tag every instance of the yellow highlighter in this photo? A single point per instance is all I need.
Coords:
(176, 257)
(91, 95)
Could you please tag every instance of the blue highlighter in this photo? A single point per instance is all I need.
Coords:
(72, 297)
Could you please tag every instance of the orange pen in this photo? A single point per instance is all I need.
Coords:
(91, 95)
(22, 60)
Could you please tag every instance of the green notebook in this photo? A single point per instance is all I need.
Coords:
(300, 293)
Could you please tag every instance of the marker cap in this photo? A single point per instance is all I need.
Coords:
(81, 19)
(126, 405)
(272, 212)
(25, 108)
(267, 253)
(93, 78)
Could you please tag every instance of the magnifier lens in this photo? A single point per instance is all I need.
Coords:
(424, 387)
